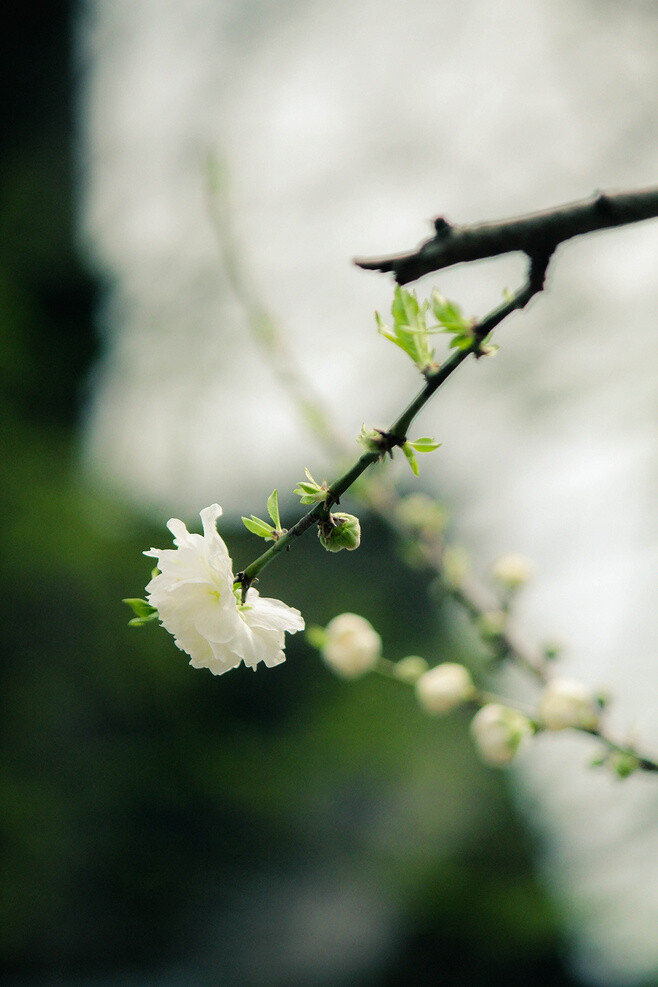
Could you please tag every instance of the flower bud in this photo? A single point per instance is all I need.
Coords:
(454, 566)
(422, 513)
(351, 645)
(371, 439)
(340, 531)
(491, 624)
(410, 669)
(623, 763)
(512, 571)
(444, 688)
(565, 703)
(498, 732)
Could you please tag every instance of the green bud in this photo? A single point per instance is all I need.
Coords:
(552, 650)
(372, 439)
(340, 531)
(623, 763)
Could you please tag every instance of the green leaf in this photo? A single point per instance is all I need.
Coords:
(424, 445)
(258, 527)
(448, 314)
(409, 453)
(143, 611)
(140, 621)
(273, 509)
(309, 491)
(140, 607)
(410, 330)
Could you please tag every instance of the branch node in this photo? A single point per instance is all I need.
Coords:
(442, 227)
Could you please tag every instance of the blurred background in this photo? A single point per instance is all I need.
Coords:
(161, 825)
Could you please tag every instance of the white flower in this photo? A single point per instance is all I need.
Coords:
(196, 602)
(565, 703)
(351, 645)
(498, 732)
(512, 571)
(444, 687)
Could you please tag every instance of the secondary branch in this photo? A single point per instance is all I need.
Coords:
(536, 234)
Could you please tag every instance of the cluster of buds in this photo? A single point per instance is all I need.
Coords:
(351, 648)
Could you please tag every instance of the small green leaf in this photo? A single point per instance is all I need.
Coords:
(143, 611)
(273, 509)
(258, 527)
(424, 444)
(309, 491)
(140, 621)
(140, 607)
(410, 330)
(448, 314)
(413, 462)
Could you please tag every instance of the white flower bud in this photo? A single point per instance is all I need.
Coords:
(422, 513)
(410, 669)
(351, 646)
(454, 566)
(512, 571)
(565, 703)
(444, 687)
(498, 732)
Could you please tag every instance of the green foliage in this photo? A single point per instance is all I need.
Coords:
(310, 491)
(410, 331)
(144, 612)
(452, 321)
(422, 445)
(261, 528)
(273, 509)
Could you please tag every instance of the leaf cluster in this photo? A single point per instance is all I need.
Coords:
(270, 532)
(411, 332)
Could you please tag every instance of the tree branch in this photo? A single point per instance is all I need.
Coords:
(536, 234)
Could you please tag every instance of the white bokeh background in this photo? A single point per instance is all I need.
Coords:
(344, 127)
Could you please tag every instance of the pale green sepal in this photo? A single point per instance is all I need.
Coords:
(316, 636)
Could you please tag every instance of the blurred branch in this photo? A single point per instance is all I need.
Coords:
(535, 234)
(260, 321)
